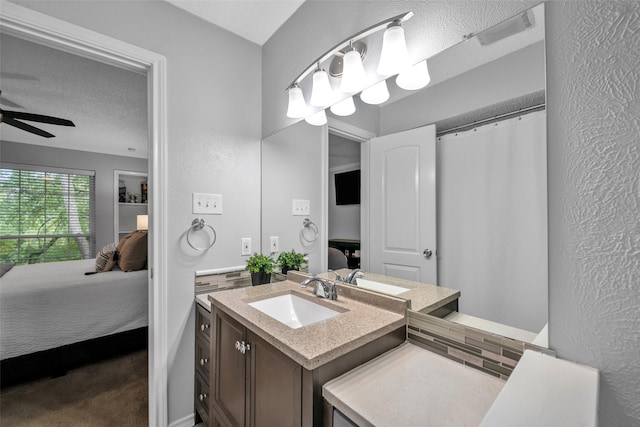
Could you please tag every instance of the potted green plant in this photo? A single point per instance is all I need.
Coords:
(261, 267)
(290, 261)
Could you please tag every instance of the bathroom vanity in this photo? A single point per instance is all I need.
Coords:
(262, 369)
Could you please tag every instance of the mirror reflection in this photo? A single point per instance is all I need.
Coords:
(453, 181)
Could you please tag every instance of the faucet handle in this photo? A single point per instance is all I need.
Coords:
(338, 277)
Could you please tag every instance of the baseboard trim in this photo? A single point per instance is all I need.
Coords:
(186, 421)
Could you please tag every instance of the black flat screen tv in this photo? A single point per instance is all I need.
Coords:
(348, 188)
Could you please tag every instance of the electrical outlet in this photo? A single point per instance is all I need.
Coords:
(300, 207)
(275, 244)
(246, 246)
(207, 203)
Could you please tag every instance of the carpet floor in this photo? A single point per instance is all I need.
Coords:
(108, 393)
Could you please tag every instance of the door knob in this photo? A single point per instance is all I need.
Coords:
(427, 253)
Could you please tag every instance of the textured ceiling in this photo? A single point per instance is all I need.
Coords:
(254, 20)
(107, 104)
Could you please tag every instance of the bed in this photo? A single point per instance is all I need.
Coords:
(45, 306)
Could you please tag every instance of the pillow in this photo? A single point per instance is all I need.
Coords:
(4, 268)
(132, 251)
(106, 259)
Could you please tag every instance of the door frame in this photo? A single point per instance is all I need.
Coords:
(349, 131)
(39, 28)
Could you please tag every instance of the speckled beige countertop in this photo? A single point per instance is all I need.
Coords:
(422, 297)
(314, 345)
(411, 386)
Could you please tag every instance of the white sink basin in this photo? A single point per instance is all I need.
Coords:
(380, 287)
(294, 311)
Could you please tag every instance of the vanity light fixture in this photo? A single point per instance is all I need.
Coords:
(415, 77)
(376, 94)
(317, 119)
(353, 74)
(347, 64)
(346, 107)
(321, 93)
(297, 105)
(394, 57)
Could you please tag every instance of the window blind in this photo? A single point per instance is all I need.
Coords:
(46, 214)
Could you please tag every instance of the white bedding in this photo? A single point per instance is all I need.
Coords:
(44, 306)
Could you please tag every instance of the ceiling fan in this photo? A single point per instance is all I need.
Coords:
(12, 118)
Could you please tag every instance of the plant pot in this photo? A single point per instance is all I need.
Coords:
(260, 278)
(285, 269)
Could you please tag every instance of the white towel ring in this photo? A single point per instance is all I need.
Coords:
(196, 225)
(307, 223)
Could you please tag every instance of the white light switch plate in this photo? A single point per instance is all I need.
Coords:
(204, 203)
(300, 207)
(246, 246)
(275, 244)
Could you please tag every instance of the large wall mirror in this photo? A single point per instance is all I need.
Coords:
(484, 114)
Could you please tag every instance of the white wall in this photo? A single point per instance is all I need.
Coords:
(592, 61)
(593, 58)
(214, 123)
(102, 164)
(292, 161)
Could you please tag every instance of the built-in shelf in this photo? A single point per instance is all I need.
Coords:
(125, 219)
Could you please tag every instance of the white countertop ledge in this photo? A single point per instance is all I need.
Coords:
(545, 391)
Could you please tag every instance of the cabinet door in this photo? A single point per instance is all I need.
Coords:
(228, 371)
(275, 386)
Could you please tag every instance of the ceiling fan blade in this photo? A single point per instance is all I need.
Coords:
(9, 103)
(37, 118)
(12, 122)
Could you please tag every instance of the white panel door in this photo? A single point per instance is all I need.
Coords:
(402, 210)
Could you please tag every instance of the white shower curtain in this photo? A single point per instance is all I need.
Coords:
(492, 216)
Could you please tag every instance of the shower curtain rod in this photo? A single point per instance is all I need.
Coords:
(498, 118)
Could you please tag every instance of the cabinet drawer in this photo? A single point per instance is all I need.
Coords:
(203, 323)
(202, 357)
(202, 398)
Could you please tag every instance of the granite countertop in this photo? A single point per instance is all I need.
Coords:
(314, 345)
(422, 297)
(413, 386)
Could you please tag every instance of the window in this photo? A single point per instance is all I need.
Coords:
(46, 214)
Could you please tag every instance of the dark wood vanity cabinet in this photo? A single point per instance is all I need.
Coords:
(202, 364)
(252, 383)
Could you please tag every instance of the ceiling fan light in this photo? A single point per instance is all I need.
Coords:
(376, 94)
(394, 56)
(317, 119)
(297, 105)
(346, 107)
(321, 93)
(414, 77)
(353, 74)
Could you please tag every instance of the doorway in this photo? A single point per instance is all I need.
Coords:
(343, 202)
(30, 25)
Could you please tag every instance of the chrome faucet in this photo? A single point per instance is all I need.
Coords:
(352, 276)
(321, 288)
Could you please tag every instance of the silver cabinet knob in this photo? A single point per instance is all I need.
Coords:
(427, 253)
(203, 361)
(204, 327)
(202, 396)
(242, 347)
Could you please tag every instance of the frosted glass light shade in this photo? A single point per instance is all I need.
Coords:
(414, 77)
(353, 74)
(317, 119)
(297, 105)
(394, 56)
(346, 107)
(376, 94)
(142, 222)
(321, 93)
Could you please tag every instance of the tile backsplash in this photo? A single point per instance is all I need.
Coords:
(490, 353)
